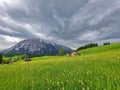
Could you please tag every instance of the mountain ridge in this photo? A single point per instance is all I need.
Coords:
(36, 46)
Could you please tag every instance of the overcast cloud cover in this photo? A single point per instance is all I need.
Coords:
(68, 22)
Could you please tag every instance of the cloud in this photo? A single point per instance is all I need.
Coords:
(10, 39)
(68, 22)
(7, 41)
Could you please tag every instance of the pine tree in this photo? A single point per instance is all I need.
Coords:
(1, 58)
(61, 52)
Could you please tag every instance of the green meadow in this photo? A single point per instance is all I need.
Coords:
(96, 68)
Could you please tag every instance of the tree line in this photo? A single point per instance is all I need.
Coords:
(88, 46)
(92, 45)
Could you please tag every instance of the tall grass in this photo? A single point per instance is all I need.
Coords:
(91, 72)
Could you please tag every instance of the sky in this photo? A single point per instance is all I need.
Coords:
(68, 22)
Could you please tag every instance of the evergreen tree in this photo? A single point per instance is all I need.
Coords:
(1, 57)
(61, 52)
(106, 43)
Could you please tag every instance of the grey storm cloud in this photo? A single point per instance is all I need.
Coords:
(68, 22)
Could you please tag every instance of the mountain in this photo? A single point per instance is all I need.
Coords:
(36, 46)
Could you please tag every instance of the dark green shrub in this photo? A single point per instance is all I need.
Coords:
(1, 58)
(15, 59)
(22, 57)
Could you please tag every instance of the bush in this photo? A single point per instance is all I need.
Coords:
(6, 61)
(10, 60)
(15, 59)
(22, 57)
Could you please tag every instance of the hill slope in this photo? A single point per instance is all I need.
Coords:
(100, 49)
(99, 71)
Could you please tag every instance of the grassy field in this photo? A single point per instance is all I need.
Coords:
(101, 49)
(99, 69)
